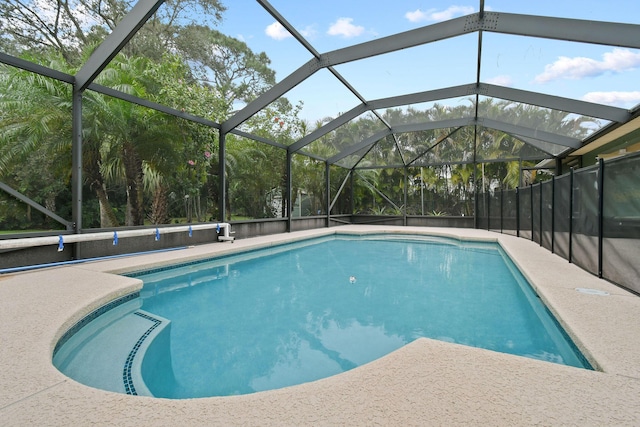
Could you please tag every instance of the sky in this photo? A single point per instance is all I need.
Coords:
(601, 74)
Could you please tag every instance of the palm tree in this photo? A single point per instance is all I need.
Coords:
(35, 129)
(133, 138)
(36, 113)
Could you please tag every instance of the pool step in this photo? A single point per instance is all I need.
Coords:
(109, 351)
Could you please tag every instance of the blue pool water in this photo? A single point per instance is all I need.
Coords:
(297, 313)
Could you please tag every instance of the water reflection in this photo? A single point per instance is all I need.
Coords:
(337, 348)
(294, 317)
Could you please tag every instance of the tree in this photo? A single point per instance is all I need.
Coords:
(226, 63)
(35, 134)
(69, 26)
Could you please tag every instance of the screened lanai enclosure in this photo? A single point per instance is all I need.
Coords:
(186, 119)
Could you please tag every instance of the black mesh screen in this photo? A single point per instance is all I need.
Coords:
(621, 231)
(584, 241)
(535, 212)
(546, 219)
(562, 217)
(340, 191)
(495, 211)
(509, 212)
(525, 212)
(481, 213)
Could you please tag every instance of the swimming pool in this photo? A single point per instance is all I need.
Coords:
(299, 312)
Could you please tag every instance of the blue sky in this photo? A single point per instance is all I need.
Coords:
(600, 74)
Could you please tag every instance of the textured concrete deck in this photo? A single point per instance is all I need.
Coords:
(424, 383)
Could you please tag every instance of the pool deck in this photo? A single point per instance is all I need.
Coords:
(427, 382)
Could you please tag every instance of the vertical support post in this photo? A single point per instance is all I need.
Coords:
(475, 195)
(600, 214)
(421, 192)
(289, 191)
(76, 170)
(571, 215)
(553, 214)
(406, 183)
(501, 209)
(487, 206)
(328, 192)
(520, 173)
(222, 174)
(540, 215)
(531, 210)
(517, 211)
(475, 174)
(353, 192)
(558, 166)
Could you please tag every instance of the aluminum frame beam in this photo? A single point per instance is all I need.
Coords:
(440, 124)
(398, 166)
(275, 92)
(419, 36)
(414, 98)
(575, 30)
(309, 155)
(394, 101)
(36, 68)
(359, 146)
(469, 162)
(150, 104)
(331, 126)
(615, 114)
(531, 133)
(538, 144)
(109, 48)
(294, 32)
(464, 121)
(553, 102)
(434, 145)
(258, 138)
(584, 31)
(426, 96)
(380, 46)
(290, 28)
(37, 206)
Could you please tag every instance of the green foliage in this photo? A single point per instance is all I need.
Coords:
(143, 166)
(256, 178)
(237, 73)
(140, 164)
(69, 27)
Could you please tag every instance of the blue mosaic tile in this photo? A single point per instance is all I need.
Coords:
(126, 372)
(92, 316)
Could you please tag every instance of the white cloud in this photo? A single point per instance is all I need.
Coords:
(616, 61)
(435, 15)
(416, 16)
(502, 80)
(620, 99)
(344, 27)
(277, 31)
(309, 32)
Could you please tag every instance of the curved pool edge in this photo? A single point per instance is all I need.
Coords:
(425, 381)
(100, 301)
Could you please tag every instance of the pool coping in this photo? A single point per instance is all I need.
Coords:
(426, 381)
